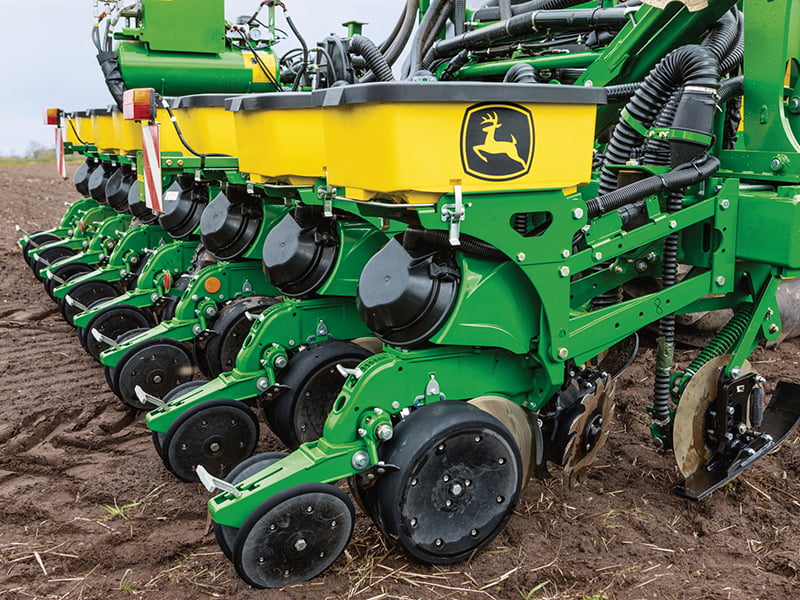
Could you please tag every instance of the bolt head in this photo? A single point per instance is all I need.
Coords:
(262, 384)
(774, 328)
(564, 271)
(598, 256)
(360, 460)
(385, 432)
(565, 253)
(577, 213)
(563, 353)
(673, 224)
(725, 204)
(720, 281)
(280, 362)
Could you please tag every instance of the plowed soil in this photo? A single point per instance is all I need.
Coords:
(88, 511)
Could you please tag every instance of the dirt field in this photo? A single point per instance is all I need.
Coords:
(88, 511)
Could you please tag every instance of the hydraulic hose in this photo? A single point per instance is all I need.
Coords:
(523, 24)
(301, 73)
(493, 13)
(623, 91)
(694, 68)
(682, 176)
(469, 245)
(434, 10)
(364, 47)
(730, 95)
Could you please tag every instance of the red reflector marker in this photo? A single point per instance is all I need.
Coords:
(139, 104)
(52, 116)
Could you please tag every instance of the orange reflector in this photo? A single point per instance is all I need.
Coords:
(212, 285)
(167, 281)
(139, 104)
(52, 116)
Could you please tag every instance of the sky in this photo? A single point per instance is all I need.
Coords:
(47, 58)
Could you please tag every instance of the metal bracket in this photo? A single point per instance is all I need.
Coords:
(74, 303)
(254, 317)
(146, 398)
(56, 278)
(212, 483)
(345, 372)
(454, 214)
(102, 338)
(326, 193)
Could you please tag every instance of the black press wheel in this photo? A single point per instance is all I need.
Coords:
(293, 536)
(110, 372)
(218, 434)
(313, 383)
(85, 294)
(81, 331)
(65, 272)
(231, 327)
(174, 393)
(49, 256)
(157, 366)
(226, 536)
(36, 239)
(459, 477)
(112, 322)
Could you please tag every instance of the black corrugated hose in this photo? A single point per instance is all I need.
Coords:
(471, 246)
(363, 46)
(693, 67)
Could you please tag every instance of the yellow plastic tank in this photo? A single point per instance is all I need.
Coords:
(411, 142)
(205, 124)
(83, 125)
(279, 137)
(103, 128)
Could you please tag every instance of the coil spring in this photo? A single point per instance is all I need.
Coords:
(520, 223)
(725, 338)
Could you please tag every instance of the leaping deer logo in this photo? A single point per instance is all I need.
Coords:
(491, 145)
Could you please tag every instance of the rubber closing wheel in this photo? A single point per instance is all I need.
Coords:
(110, 372)
(64, 272)
(112, 322)
(459, 478)
(157, 366)
(50, 256)
(218, 434)
(298, 414)
(84, 294)
(231, 327)
(36, 239)
(174, 393)
(225, 535)
(294, 535)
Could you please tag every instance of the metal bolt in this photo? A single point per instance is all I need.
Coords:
(724, 204)
(196, 329)
(730, 410)
(154, 296)
(157, 379)
(652, 257)
(214, 447)
(395, 405)
(385, 432)
(742, 428)
(564, 271)
(673, 224)
(456, 489)
(563, 353)
(641, 265)
(262, 384)
(598, 256)
(769, 314)
(565, 253)
(280, 362)
(617, 269)
(300, 545)
(446, 478)
(729, 436)
(195, 298)
(774, 328)
(735, 371)
(520, 256)
(577, 213)
(291, 342)
(720, 281)
(362, 432)
(776, 164)
(360, 459)
(211, 311)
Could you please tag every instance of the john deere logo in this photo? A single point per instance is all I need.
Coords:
(497, 141)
